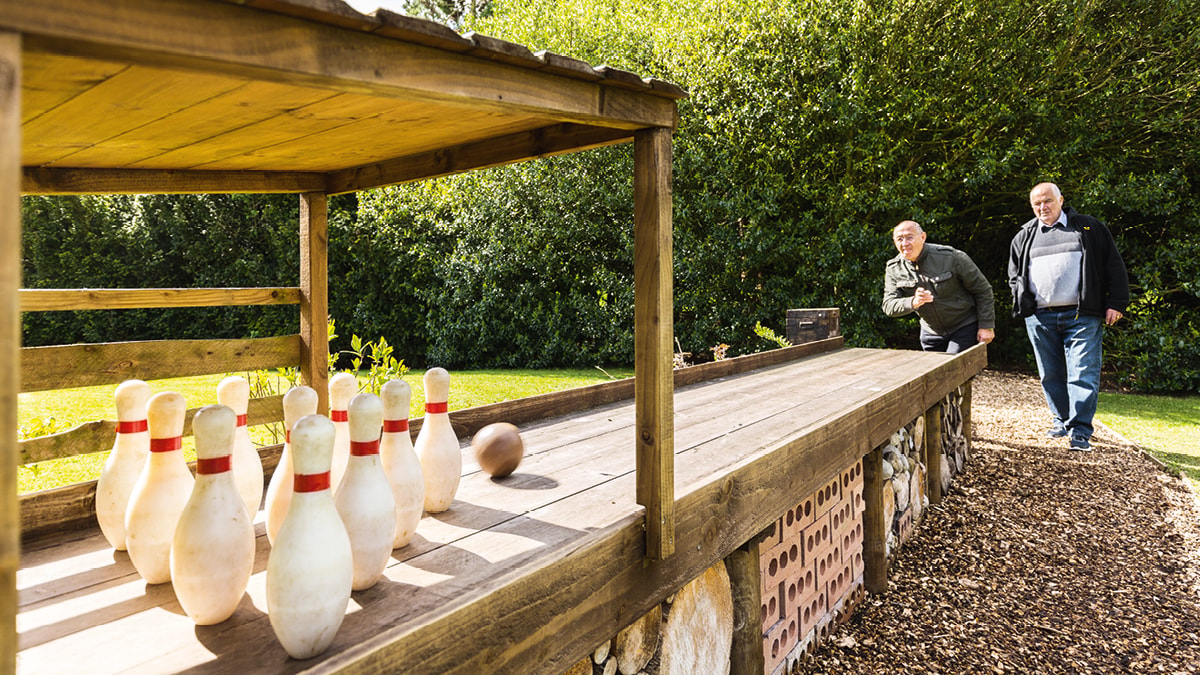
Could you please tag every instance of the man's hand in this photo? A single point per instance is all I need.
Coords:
(985, 335)
(921, 297)
(1112, 316)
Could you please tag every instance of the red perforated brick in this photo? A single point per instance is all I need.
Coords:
(778, 641)
(774, 538)
(772, 603)
(840, 584)
(852, 477)
(799, 588)
(827, 564)
(801, 515)
(841, 516)
(813, 611)
(827, 496)
(817, 538)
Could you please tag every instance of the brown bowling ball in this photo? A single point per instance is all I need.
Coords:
(498, 448)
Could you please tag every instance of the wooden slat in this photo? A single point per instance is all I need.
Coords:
(420, 31)
(46, 300)
(10, 338)
(66, 367)
(259, 45)
(544, 142)
(966, 414)
(653, 334)
(51, 181)
(98, 436)
(314, 295)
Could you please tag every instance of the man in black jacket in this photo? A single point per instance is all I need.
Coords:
(1068, 280)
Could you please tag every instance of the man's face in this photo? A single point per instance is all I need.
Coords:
(909, 241)
(1045, 205)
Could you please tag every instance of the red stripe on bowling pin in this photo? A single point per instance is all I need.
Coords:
(166, 444)
(440, 407)
(310, 482)
(207, 467)
(133, 427)
(339, 415)
(241, 420)
(364, 448)
(395, 426)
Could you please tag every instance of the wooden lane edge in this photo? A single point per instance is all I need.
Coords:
(49, 300)
(98, 435)
(10, 336)
(553, 613)
(49, 512)
(69, 366)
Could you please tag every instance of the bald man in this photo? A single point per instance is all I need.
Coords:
(943, 286)
(1068, 281)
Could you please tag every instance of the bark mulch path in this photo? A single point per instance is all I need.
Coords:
(1040, 560)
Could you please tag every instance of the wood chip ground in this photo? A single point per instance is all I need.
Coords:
(1040, 560)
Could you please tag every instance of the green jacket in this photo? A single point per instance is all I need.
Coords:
(961, 294)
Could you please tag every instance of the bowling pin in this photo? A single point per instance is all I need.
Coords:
(342, 387)
(212, 554)
(400, 463)
(161, 491)
(125, 462)
(311, 566)
(234, 392)
(437, 444)
(364, 499)
(298, 402)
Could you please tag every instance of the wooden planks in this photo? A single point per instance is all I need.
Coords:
(10, 336)
(45, 300)
(65, 367)
(538, 569)
(653, 333)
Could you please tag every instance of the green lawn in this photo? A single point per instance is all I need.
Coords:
(1166, 426)
(49, 412)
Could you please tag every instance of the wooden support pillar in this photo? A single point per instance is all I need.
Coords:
(933, 453)
(745, 580)
(875, 529)
(314, 295)
(654, 330)
(10, 339)
(966, 414)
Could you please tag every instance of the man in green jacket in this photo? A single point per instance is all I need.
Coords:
(944, 287)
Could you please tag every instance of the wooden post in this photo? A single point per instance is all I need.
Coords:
(314, 295)
(10, 339)
(933, 453)
(966, 414)
(875, 529)
(745, 580)
(654, 329)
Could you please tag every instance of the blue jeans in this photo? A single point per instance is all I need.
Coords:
(1067, 348)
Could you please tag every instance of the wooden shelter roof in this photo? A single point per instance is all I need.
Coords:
(294, 96)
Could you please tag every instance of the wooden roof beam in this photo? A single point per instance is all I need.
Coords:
(78, 181)
(544, 142)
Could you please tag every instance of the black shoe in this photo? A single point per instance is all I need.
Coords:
(1080, 444)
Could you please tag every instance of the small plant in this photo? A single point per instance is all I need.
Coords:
(383, 366)
(680, 358)
(770, 335)
(720, 352)
(38, 427)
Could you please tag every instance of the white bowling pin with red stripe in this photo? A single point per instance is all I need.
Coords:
(311, 567)
(161, 492)
(437, 444)
(234, 391)
(364, 498)
(342, 387)
(125, 462)
(298, 402)
(399, 460)
(212, 554)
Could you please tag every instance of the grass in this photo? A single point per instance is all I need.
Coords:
(1168, 427)
(42, 413)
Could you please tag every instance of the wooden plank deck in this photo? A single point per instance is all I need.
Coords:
(523, 574)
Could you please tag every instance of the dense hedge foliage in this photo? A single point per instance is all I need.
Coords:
(813, 126)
